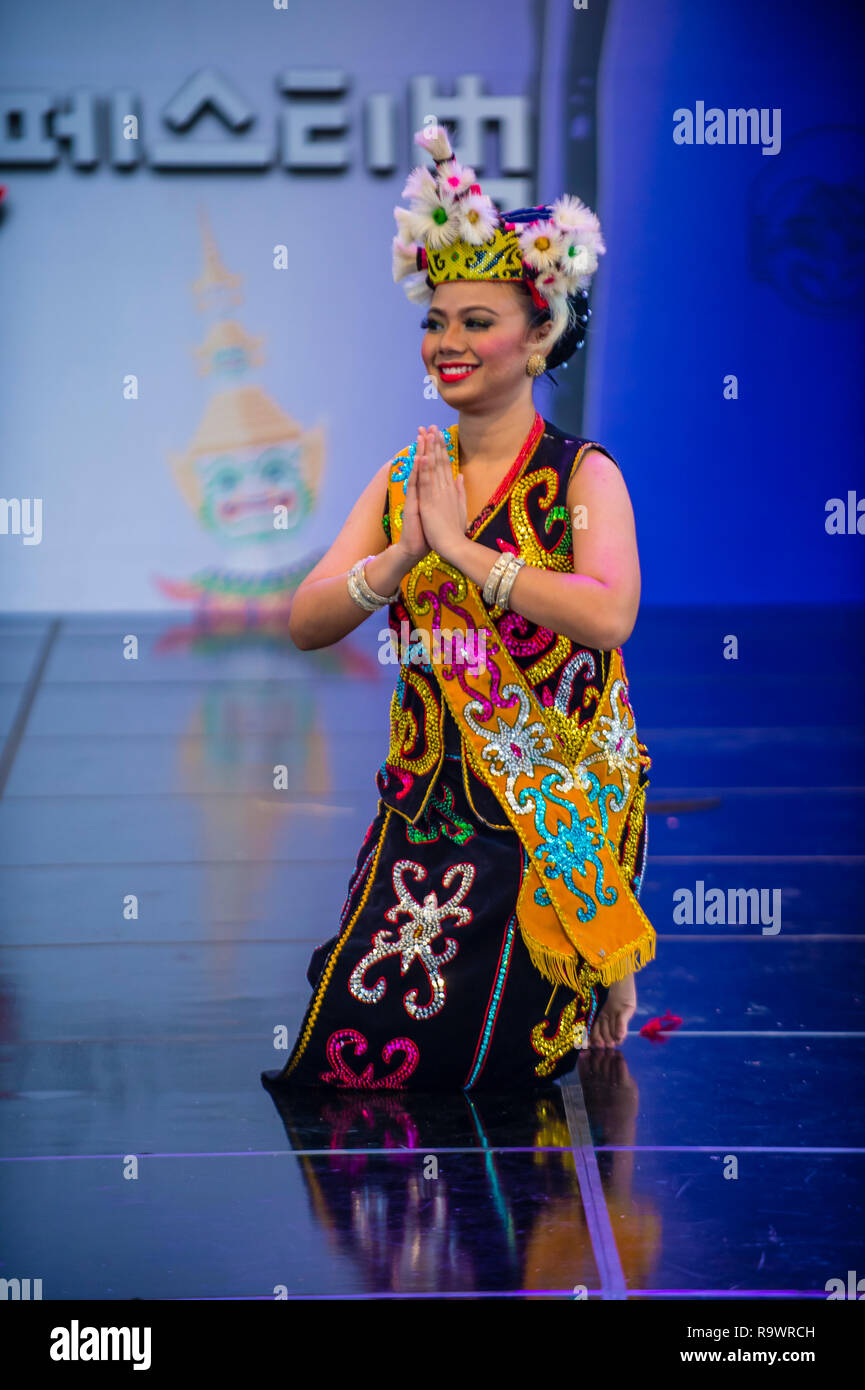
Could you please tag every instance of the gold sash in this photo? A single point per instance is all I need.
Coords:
(577, 913)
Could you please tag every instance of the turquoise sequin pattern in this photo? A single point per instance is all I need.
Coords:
(402, 467)
(492, 1011)
(404, 463)
(572, 847)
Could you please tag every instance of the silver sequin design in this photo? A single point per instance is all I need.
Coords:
(616, 743)
(570, 671)
(413, 939)
(518, 748)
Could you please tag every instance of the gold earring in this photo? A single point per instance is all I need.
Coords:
(536, 365)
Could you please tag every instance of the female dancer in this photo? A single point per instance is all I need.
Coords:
(491, 926)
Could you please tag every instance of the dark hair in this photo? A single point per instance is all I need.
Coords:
(574, 334)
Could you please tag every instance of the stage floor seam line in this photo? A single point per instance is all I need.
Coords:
(258, 794)
(598, 1223)
(479, 1149)
(738, 938)
(667, 860)
(206, 1039)
(15, 734)
(508, 1293)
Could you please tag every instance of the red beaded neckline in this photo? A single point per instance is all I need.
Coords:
(528, 448)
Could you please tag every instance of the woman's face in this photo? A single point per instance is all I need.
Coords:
(482, 326)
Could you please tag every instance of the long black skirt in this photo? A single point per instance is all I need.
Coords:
(428, 984)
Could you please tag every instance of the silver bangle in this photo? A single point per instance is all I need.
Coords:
(360, 590)
(506, 583)
(355, 593)
(494, 577)
(370, 593)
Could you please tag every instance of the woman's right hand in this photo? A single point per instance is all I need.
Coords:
(412, 540)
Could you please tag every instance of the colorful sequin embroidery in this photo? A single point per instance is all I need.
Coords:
(413, 939)
(415, 745)
(570, 1033)
(431, 827)
(343, 1075)
(495, 999)
(615, 741)
(527, 516)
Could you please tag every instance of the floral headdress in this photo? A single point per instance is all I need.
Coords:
(453, 231)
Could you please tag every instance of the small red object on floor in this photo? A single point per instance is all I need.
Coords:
(655, 1029)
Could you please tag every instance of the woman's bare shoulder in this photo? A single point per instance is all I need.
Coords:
(593, 458)
(596, 473)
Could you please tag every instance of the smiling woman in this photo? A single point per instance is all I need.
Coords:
(492, 925)
(475, 345)
(478, 319)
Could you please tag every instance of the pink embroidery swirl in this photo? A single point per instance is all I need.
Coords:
(342, 1074)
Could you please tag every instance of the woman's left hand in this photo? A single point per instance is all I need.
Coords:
(441, 496)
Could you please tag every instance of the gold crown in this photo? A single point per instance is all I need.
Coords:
(496, 259)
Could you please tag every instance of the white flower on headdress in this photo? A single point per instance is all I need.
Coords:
(579, 263)
(420, 183)
(404, 244)
(404, 253)
(478, 218)
(571, 214)
(455, 177)
(432, 219)
(403, 259)
(552, 285)
(403, 222)
(583, 236)
(542, 245)
(417, 289)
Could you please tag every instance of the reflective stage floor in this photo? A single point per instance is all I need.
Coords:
(160, 901)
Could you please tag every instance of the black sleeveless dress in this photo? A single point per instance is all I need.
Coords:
(427, 984)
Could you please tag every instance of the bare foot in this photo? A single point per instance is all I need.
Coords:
(610, 1027)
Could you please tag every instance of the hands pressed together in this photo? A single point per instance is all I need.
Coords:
(434, 515)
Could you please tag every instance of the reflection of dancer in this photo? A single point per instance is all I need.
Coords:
(612, 1104)
(477, 1218)
(509, 844)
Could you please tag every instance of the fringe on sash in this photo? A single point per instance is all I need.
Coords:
(571, 970)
